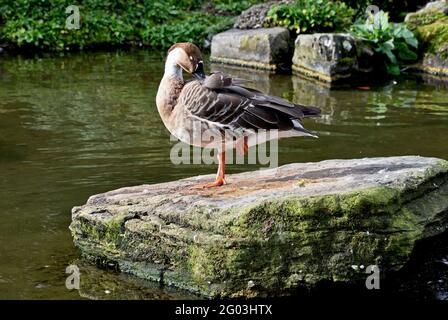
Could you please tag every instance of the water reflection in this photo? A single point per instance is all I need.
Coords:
(101, 284)
(263, 81)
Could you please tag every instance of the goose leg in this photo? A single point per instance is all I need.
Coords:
(220, 180)
(242, 146)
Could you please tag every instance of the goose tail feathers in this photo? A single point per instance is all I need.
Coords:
(309, 111)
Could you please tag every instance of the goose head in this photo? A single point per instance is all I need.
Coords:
(184, 56)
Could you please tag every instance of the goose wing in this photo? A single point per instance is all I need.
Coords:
(221, 100)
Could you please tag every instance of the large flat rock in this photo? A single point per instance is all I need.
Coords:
(269, 232)
(264, 48)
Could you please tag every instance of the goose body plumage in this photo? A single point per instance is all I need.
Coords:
(216, 111)
(231, 111)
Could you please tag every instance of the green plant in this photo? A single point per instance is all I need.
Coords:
(195, 28)
(393, 40)
(308, 16)
(232, 6)
(40, 24)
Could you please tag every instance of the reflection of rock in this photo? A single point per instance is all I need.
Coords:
(311, 93)
(439, 82)
(425, 275)
(325, 56)
(321, 95)
(264, 81)
(430, 25)
(267, 49)
(100, 284)
(435, 63)
(266, 233)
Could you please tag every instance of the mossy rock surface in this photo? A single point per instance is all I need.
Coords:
(430, 25)
(265, 48)
(269, 232)
(331, 58)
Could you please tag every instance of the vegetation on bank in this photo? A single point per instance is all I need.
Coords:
(309, 16)
(393, 42)
(41, 24)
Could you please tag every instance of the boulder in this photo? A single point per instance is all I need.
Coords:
(269, 232)
(267, 49)
(430, 25)
(255, 16)
(328, 57)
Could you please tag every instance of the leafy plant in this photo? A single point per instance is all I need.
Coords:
(308, 16)
(392, 40)
(40, 24)
(196, 28)
(232, 6)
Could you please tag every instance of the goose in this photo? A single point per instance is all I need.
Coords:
(216, 111)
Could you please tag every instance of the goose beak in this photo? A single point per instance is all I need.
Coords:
(199, 72)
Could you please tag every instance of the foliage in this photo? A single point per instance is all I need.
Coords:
(41, 23)
(232, 6)
(308, 16)
(393, 40)
(194, 28)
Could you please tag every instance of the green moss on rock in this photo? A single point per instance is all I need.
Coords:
(430, 26)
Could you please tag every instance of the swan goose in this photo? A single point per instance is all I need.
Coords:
(215, 111)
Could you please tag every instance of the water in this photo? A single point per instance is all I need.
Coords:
(76, 125)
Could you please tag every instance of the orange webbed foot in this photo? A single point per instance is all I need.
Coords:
(217, 183)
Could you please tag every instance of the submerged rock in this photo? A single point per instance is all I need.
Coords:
(269, 232)
(328, 57)
(267, 49)
(430, 25)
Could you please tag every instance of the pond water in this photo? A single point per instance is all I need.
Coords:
(80, 124)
